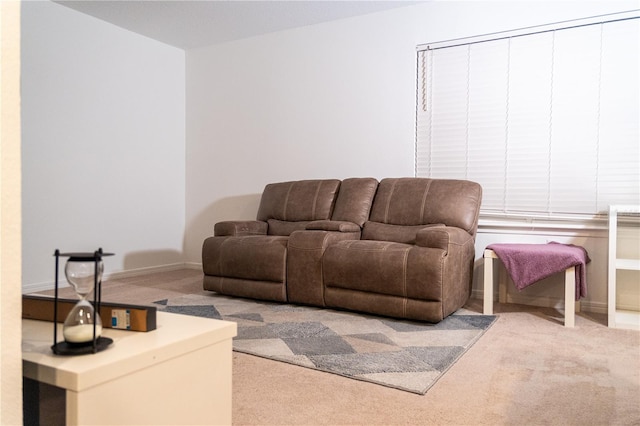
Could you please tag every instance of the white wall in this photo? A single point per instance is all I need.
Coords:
(316, 102)
(103, 143)
(332, 100)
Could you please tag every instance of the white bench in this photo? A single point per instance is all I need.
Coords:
(570, 305)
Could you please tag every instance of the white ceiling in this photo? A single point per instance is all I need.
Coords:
(188, 23)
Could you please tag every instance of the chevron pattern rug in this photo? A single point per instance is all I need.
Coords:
(405, 355)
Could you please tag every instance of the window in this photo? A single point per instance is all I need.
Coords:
(546, 119)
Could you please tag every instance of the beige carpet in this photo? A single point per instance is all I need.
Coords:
(526, 370)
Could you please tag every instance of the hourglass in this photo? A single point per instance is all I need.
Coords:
(82, 328)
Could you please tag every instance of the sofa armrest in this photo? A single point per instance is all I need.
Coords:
(332, 225)
(236, 228)
(442, 237)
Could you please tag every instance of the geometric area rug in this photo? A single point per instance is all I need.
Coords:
(406, 355)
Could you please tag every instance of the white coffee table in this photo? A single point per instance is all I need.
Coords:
(179, 373)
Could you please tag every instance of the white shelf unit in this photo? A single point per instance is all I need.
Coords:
(620, 318)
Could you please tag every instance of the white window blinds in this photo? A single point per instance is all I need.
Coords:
(547, 122)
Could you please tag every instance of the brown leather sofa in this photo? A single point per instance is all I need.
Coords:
(401, 247)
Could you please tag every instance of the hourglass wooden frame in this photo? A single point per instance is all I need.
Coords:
(98, 343)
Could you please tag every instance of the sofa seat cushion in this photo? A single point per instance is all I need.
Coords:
(398, 233)
(333, 225)
(284, 228)
(240, 228)
(385, 267)
(250, 257)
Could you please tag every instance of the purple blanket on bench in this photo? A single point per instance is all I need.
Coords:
(529, 263)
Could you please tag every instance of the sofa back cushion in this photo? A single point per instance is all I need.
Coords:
(297, 201)
(354, 200)
(409, 202)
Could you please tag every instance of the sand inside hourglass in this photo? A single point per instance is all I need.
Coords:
(81, 333)
(78, 327)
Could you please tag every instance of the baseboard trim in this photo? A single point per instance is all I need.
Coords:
(546, 302)
(193, 265)
(50, 285)
(144, 271)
